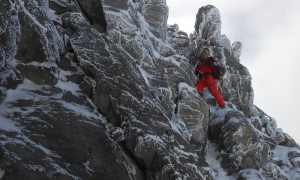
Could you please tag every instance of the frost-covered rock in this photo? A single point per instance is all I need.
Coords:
(109, 90)
(208, 23)
(39, 40)
(249, 174)
(237, 49)
(244, 134)
(105, 89)
(94, 12)
(224, 42)
(9, 32)
(179, 40)
(241, 146)
(150, 120)
(194, 113)
(31, 43)
(156, 14)
(235, 84)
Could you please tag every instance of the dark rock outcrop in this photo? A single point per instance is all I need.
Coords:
(104, 89)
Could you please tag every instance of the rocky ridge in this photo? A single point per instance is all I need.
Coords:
(104, 88)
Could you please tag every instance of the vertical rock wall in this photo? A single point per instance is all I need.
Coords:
(104, 89)
(105, 93)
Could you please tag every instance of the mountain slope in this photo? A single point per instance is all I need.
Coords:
(105, 89)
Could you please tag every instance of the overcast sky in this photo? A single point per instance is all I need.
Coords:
(270, 33)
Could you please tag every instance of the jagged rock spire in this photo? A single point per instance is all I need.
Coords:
(208, 23)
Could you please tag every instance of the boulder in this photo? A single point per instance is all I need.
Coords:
(241, 147)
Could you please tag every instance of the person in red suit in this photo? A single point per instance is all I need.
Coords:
(209, 73)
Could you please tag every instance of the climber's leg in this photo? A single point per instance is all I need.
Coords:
(215, 92)
(200, 85)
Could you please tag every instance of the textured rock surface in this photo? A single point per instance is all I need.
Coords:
(237, 49)
(179, 40)
(208, 23)
(156, 15)
(104, 89)
(244, 134)
(237, 138)
(236, 80)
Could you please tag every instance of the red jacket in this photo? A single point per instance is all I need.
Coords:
(208, 68)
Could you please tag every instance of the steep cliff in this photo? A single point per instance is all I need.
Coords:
(104, 89)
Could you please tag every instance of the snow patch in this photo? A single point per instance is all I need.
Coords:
(80, 110)
(145, 75)
(8, 125)
(187, 87)
(68, 86)
(217, 171)
(282, 153)
(19, 92)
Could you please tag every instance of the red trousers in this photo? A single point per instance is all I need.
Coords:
(209, 81)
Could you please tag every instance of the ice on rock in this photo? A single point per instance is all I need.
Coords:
(237, 49)
(208, 23)
(105, 88)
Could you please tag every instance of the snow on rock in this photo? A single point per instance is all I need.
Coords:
(143, 109)
(179, 40)
(237, 49)
(235, 84)
(225, 42)
(9, 32)
(250, 174)
(57, 132)
(156, 15)
(194, 113)
(235, 135)
(208, 23)
(105, 89)
(244, 134)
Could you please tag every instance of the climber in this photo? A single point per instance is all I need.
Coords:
(208, 72)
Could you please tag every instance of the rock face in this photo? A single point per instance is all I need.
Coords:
(237, 49)
(156, 14)
(236, 80)
(105, 89)
(179, 40)
(208, 23)
(245, 135)
(242, 147)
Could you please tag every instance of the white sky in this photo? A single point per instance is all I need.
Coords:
(270, 33)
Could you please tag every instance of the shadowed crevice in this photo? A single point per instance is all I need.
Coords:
(93, 12)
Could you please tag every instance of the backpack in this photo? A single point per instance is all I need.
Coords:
(214, 66)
